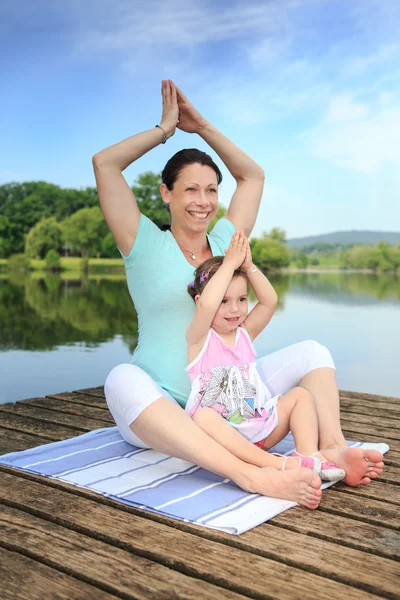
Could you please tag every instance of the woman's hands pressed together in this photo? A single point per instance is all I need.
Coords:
(170, 111)
(190, 120)
(178, 111)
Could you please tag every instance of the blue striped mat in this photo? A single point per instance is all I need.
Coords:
(103, 462)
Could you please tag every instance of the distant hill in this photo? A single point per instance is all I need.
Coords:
(346, 237)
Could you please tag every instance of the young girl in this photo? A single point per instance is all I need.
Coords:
(227, 391)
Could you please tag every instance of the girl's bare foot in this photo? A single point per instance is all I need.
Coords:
(360, 465)
(299, 485)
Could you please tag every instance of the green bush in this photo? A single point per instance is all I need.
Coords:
(269, 254)
(53, 261)
(19, 262)
(84, 264)
(108, 247)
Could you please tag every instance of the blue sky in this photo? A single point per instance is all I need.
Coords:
(309, 88)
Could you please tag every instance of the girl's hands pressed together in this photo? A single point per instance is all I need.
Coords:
(236, 253)
(190, 120)
(248, 261)
(170, 112)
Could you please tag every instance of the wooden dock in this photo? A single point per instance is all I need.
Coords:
(64, 542)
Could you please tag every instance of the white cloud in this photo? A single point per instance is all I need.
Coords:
(343, 108)
(179, 23)
(360, 64)
(354, 136)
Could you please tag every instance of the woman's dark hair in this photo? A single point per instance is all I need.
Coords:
(183, 158)
(204, 272)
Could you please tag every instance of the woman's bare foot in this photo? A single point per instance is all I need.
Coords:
(299, 485)
(360, 465)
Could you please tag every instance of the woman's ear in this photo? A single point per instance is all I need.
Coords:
(197, 298)
(165, 193)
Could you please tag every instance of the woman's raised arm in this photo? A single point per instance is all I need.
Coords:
(116, 197)
(243, 208)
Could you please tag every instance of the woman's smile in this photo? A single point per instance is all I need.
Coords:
(199, 216)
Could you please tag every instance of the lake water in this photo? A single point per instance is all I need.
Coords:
(59, 335)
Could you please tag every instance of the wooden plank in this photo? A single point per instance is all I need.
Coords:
(351, 533)
(352, 406)
(375, 512)
(392, 458)
(391, 474)
(97, 392)
(24, 578)
(353, 567)
(364, 396)
(357, 436)
(391, 408)
(339, 529)
(198, 555)
(81, 399)
(52, 431)
(114, 570)
(387, 433)
(71, 408)
(13, 441)
(80, 423)
(377, 489)
(371, 419)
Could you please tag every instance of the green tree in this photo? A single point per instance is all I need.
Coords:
(53, 261)
(221, 212)
(302, 261)
(150, 203)
(109, 247)
(277, 234)
(84, 231)
(22, 205)
(269, 254)
(19, 263)
(394, 257)
(6, 237)
(44, 236)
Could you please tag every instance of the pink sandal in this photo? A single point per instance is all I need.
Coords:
(329, 471)
(309, 462)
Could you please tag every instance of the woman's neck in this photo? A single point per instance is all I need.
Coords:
(196, 242)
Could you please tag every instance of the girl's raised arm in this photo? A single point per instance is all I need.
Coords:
(117, 200)
(259, 317)
(243, 208)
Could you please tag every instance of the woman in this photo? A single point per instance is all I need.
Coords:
(146, 397)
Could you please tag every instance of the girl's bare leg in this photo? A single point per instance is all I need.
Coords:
(360, 465)
(296, 413)
(166, 427)
(217, 428)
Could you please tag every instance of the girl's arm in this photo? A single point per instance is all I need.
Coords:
(259, 317)
(117, 200)
(213, 293)
(243, 208)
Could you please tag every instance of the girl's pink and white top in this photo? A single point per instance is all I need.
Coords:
(225, 378)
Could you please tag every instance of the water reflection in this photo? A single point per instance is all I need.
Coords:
(342, 288)
(42, 313)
